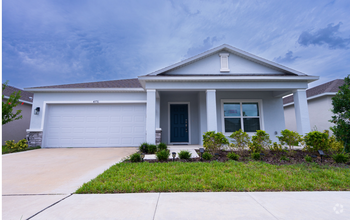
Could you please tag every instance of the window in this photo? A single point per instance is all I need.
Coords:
(245, 115)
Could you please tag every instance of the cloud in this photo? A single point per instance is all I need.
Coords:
(208, 43)
(288, 58)
(325, 36)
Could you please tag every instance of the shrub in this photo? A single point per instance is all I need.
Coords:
(14, 147)
(260, 141)
(290, 138)
(276, 147)
(207, 156)
(151, 149)
(241, 138)
(341, 158)
(283, 157)
(334, 145)
(185, 155)
(233, 156)
(162, 146)
(163, 155)
(316, 140)
(213, 141)
(256, 156)
(144, 148)
(307, 158)
(136, 157)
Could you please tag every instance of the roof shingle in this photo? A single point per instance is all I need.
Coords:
(26, 96)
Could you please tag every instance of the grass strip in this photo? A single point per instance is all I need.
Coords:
(217, 177)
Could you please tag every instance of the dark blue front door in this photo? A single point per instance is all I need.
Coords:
(179, 123)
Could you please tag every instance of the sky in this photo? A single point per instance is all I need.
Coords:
(61, 42)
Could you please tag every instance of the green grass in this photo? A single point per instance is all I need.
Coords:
(5, 150)
(217, 177)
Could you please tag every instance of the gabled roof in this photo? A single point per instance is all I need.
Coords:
(331, 87)
(122, 83)
(25, 96)
(232, 50)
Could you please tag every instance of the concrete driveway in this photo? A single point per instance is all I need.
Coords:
(32, 180)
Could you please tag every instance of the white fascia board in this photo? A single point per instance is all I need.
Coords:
(84, 89)
(20, 100)
(314, 97)
(235, 51)
(34, 130)
(99, 102)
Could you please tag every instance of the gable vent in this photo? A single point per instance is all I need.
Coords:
(224, 62)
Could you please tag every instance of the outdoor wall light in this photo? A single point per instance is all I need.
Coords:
(36, 111)
(142, 156)
(321, 153)
(201, 150)
(174, 155)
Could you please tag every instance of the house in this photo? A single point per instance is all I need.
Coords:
(319, 100)
(16, 130)
(223, 89)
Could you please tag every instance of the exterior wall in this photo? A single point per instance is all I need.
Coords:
(16, 130)
(272, 107)
(192, 98)
(211, 65)
(40, 98)
(319, 113)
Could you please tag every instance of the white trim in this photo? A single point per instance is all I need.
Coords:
(313, 97)
(19, 100)
(34, 130)
(261, 116)
(189, 123)
(84, 89)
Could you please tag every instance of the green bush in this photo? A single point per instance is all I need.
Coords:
(316, 140)
(15, 147)
(260, 141)
(151, 149)
(213, 141)
(334, 145)
(185, 155)
(290, 138)
(136, 157)
(276, 147)
(233, 156)
(163, 155)
(341, 158)
(241, 138)
(307, 158)
(283, 157)
(207, 156)
(256, 156)
(144, 148)
(162, 146)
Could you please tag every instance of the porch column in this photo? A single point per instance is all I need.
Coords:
(211, 110)
(151, 116)
(301, 111)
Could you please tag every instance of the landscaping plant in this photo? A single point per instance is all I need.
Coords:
(162, 146)
(260, 142)
(15, 147)
(284, 158)
(233, 156)
(335, 146)
(207, 156)
(213, 141)
(256, 156)
(7, 107)
(289, 138)
(185, 155)
(144, 147)
(308, 158)
(151, 149)
(341, 158)
(341, 111)
(241, 138)
(136, 157)
(163, 155)
(316, 140)
(276, 147)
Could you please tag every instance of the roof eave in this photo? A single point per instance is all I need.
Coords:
(84, 89)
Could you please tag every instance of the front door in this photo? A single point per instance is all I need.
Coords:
(179, 123)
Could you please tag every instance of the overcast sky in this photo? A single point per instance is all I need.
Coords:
(60, 42)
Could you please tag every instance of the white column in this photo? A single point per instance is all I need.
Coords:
(211, 110)
(151, 116)
(158, 112)
(301, 111)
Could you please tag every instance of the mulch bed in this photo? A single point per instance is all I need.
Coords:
(270, 157)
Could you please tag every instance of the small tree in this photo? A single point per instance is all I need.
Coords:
(260, 141)
(213, 141)
(341, 117)
(289, 138)
(7, 107)
(241, 138)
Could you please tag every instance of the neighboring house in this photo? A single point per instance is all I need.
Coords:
(223, 89)
(319, 101)
(16, 130)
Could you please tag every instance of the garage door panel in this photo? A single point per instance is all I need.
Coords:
(101, 125)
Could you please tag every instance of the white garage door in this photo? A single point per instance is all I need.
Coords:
(95, 125)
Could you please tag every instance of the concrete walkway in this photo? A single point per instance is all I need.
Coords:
(225, 205)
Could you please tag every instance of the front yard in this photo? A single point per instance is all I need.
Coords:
(218, 177)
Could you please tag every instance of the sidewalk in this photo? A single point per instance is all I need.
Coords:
(221, 205)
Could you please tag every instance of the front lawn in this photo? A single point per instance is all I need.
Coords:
(217, 177)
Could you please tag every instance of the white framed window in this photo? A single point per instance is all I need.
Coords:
(242, 114)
